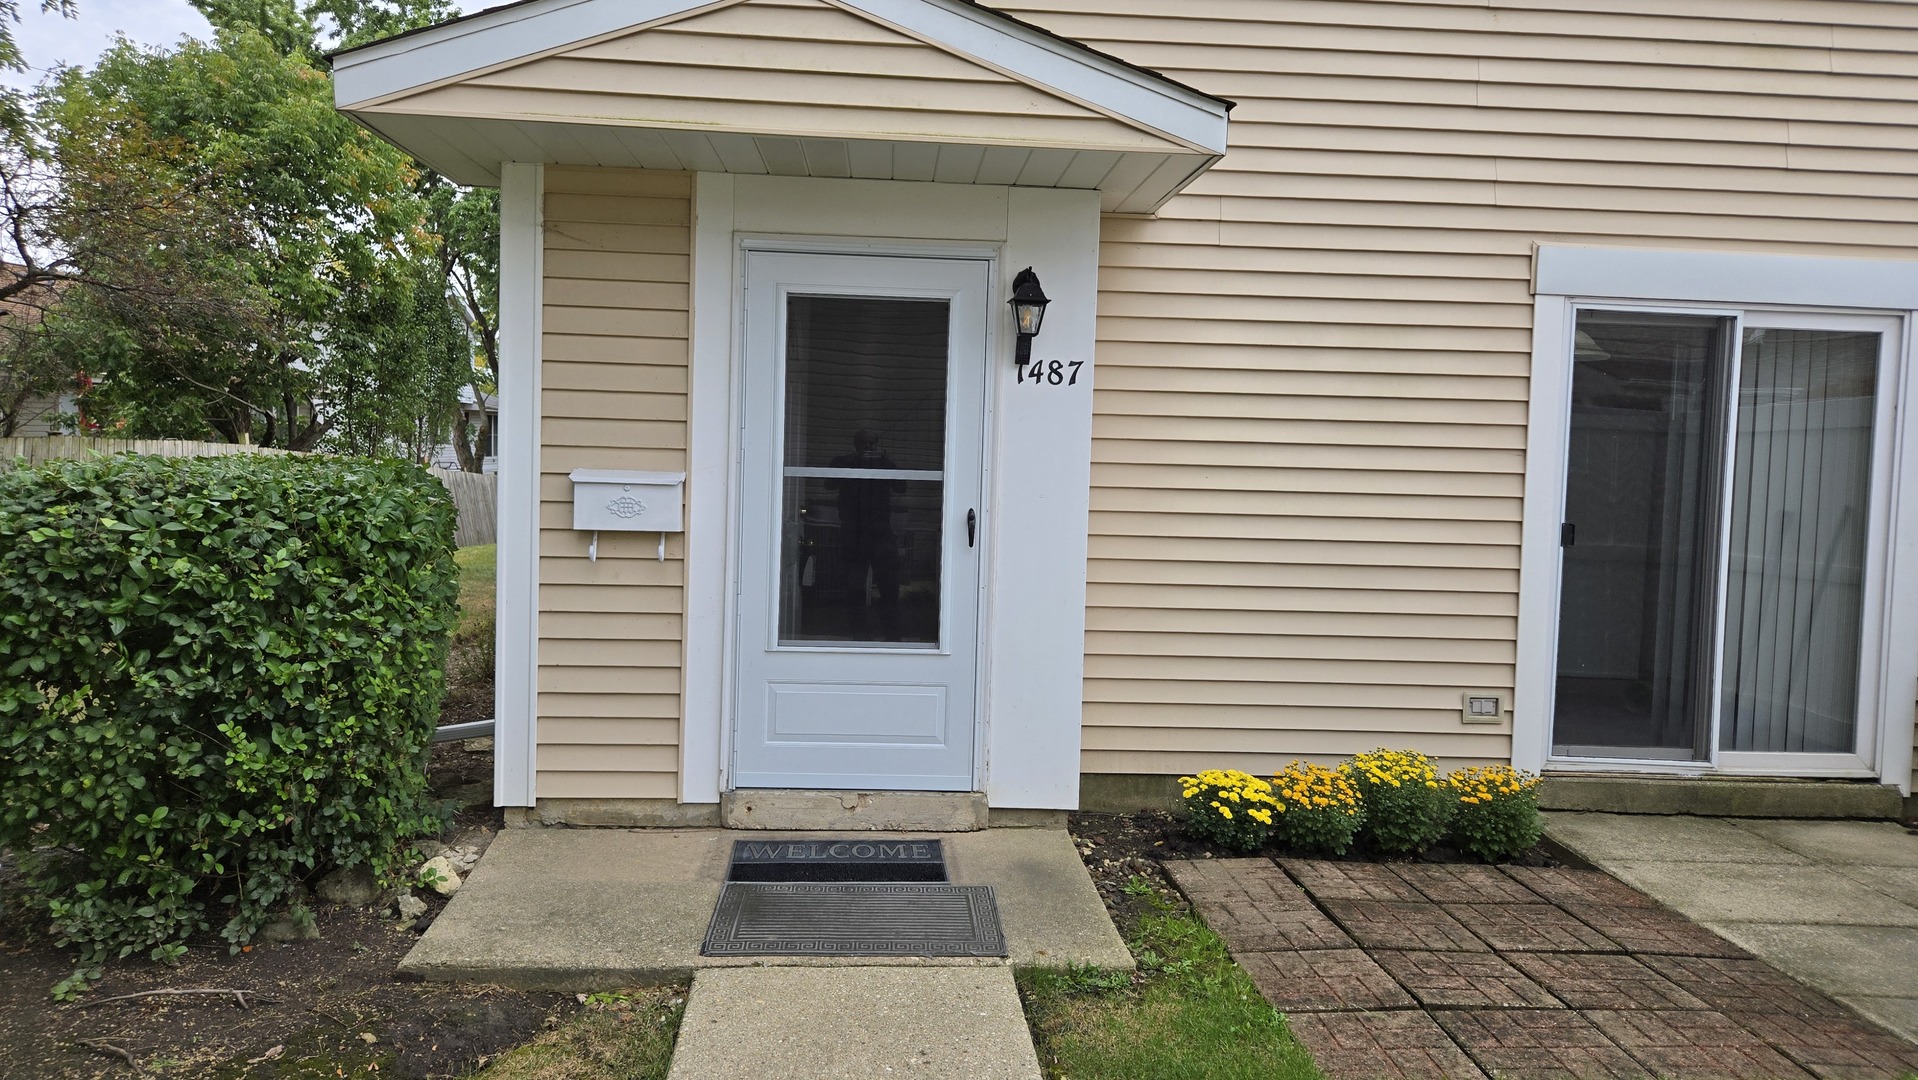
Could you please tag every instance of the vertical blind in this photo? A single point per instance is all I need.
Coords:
(1800, 500)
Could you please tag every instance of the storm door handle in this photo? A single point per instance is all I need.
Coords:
(972, 526)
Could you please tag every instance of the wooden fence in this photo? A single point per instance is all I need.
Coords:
(74, 447)
(475, 494)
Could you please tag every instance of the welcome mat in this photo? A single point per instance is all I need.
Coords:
(757, 918)
(861, 859)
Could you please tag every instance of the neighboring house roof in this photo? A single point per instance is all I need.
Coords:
(942, 90)
(469, 400)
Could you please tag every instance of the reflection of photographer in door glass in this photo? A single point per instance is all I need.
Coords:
(865, 536)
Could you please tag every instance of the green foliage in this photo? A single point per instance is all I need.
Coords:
(1496, 813)
(323, 316)
(395, 384)
(220, 678)
(467, 222)
(12, 108)
(33, 371)
(1322, 811)
(1229, 809)
(316, 26)
(1405, 807)
(237, 258)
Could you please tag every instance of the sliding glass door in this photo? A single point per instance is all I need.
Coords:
(1717, 556)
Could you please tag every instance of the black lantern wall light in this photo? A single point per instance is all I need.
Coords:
(1028, 313)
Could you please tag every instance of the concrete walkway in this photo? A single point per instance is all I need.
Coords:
(1833, 904)
(854, 1023)
(598, 909)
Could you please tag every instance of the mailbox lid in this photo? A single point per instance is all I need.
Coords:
(610, 500)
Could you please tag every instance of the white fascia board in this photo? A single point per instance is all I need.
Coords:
(488, 39)
(1034, 56)
(1725, 277)
(512, 34)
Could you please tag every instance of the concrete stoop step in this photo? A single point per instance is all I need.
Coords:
(600, 909)
(597, 909)
(829, 1023)
(854, 811)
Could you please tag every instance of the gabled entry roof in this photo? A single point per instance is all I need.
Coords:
(937, 90)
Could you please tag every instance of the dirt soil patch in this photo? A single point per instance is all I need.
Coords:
(325, 1008)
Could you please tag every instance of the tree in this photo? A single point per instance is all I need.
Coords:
(463, 221)
(31, 372)
(13, 111)
(121, 236)
(466, 220)
(317, 259)
(397, 390)
(312, 28)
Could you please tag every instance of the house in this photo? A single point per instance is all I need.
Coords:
(1519, 381)
(34, 401)
(481, 412)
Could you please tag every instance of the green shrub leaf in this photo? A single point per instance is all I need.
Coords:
(222, 676)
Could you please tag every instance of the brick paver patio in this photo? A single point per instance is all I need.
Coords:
(1464, 972)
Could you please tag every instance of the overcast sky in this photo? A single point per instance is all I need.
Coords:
(47, 40)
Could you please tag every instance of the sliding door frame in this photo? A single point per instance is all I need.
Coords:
(1718, 533)
(1866, 735)
(1750, 290)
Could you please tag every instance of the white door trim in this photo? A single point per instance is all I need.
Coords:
(1032, 672)
(1610, 277)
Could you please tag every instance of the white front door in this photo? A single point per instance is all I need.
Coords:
(860, 522)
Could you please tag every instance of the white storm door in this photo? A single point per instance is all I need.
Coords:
(860, 522)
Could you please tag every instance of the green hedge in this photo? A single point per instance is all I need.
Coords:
(218, 677)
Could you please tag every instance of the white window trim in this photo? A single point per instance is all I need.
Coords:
(1032, 616)
(516, 581)
(1565, 277)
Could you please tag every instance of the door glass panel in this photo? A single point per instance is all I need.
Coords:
(863, 497)
(1800, 500)
(1641, 509)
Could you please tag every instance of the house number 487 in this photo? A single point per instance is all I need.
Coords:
(1051, 372)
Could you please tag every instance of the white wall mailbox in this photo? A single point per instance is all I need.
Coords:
(606, 500)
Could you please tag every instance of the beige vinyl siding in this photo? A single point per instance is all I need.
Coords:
(1312, 371)
(791, 67)
(613, 396)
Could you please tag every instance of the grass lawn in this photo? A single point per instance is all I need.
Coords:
(476, 583)
(469, 662)
(1190, 1014)
(628, 1034)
